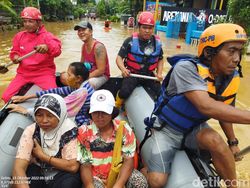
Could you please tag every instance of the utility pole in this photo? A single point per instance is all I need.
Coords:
(144, 5)
(156, 10)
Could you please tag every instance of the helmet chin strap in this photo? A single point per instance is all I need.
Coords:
(38, 28)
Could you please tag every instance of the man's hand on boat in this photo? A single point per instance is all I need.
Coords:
(17, 108)
(42, 48)
(235, 150)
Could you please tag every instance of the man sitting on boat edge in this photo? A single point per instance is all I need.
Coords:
(140, 54)
(195, 90)
(93, 52)
(38, 69)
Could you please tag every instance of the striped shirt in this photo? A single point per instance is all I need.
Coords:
(92, 149)
(82, 117)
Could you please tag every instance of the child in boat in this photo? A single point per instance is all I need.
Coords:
(76, 95)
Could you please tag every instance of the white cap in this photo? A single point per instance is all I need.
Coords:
(103, 101)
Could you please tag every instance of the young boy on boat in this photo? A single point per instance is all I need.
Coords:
(76, 95)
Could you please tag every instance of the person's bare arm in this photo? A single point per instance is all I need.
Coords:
(19, 174)
(125, 172)
(18, 109)
(17, 99)
(86, 175)
(121, 66)
(229, 132)
(159, 70)
(71, 166)
(216, 109)
(100, 57)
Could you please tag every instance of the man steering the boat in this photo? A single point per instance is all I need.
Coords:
(195, 90)
(39, 68)
(140, 54)
(94, 53)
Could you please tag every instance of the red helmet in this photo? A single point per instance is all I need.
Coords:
(146, 18)
(31, 13)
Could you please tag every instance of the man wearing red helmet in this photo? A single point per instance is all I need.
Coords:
(195, 90)
(140, 54)
(40, 67)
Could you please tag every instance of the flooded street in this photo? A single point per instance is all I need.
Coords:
(113, 39)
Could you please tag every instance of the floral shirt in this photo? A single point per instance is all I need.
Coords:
(92, 149)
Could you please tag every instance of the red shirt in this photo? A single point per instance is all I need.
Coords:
(90, 58)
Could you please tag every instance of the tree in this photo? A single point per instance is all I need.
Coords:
(238, 11)
(6, 5)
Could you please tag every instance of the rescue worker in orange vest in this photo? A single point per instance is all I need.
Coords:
(195, 90)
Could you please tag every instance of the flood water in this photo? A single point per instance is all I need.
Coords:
(113, 39)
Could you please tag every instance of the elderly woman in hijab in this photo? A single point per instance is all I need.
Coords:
(47, 151)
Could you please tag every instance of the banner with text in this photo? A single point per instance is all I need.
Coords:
(207, 15)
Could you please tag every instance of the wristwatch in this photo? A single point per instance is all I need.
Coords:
(234, 142)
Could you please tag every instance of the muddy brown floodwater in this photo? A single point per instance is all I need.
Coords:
(113, 39)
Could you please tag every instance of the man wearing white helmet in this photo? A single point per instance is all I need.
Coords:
(140, 54)
(39, 68)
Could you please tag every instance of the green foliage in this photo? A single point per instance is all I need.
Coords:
(116, 7)
(57, 9)
(239, 12)
(114, 18)
(79, 11)
(7, 6)
(101, 8)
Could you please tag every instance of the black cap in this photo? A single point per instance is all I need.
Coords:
(83, 24)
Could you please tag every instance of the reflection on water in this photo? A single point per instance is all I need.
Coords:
(113, 39)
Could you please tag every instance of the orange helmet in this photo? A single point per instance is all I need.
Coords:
(31, 13)
(146, 18)
(217, 34)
